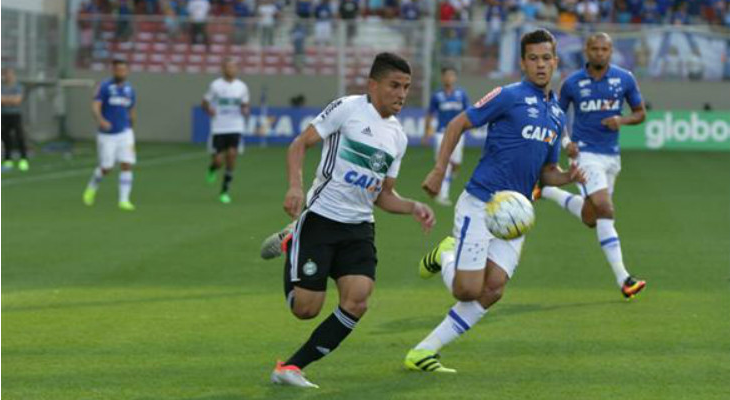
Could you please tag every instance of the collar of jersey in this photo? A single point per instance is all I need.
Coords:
(605, 76)
(538, 90)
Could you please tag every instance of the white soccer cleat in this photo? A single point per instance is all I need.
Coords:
(274, 245)
(290, 375)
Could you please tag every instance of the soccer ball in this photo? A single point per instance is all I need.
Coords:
(509, 215)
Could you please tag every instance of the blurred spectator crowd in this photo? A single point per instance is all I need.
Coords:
(563, 12)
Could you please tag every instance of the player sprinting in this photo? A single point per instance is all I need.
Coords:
(598, 93)
(226, 101)
(334, 236)
(113, 108)
(446, 104)
(523, 146)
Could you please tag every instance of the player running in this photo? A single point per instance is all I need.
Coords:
(113, 108)
(525, 124)
(446, 104)
(226, 101)
(334, 236)
(597, 93)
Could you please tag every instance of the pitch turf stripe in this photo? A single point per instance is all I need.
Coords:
(87, 170)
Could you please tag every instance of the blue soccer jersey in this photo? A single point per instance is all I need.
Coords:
(595, 100)
(116, 103)
(524, 131)
(447, 106)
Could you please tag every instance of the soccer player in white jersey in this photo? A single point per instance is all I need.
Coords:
(446, 104)
(334, 236)
(523, 146)
(113, 108)
(597, 93)
(226, 101)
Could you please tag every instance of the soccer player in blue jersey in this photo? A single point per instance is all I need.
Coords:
(598, 93)
(446, 104)
(525, 123)
(114, 110)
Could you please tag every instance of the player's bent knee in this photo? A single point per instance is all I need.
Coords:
(305, 312)
(466, 293)
(356, 308)
(604, 210)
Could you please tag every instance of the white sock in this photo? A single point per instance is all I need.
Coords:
(125, 185)
(459, 319)
(569, 201)
(448, 269)
(446, 184)
(608, 238)
(96, 178)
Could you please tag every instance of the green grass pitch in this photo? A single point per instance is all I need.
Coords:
(173, 302)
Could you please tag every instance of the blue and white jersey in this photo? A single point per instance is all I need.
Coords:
(447, 106)
(116, 103)
(595, 100)
(524, 132)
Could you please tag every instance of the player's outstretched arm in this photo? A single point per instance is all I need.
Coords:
(294, 199)
(637, 116)
(552, 175)
(454, 130)
(390, 201)
(96, 111)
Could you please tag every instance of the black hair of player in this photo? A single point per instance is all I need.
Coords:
(386, 62)
(118, 61)
(448, 68)
(536, 37)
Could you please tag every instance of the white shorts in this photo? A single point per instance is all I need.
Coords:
(458, 155)
(114, 148)
(475, 244)
(601, 171)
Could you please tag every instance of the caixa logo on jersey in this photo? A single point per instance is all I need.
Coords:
(120, 101)
(540, 134)
(369, 183)
(600, 105)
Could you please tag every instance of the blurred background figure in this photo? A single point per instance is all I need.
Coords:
(12, 121)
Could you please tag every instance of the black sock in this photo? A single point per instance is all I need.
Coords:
(213, 168)
(325, 339)
(227, 178)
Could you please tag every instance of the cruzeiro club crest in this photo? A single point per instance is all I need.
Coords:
(309, 268)
(377, 161)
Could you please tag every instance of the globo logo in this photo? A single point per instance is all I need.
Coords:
(659, 132)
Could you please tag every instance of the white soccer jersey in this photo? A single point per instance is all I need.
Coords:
(226, 99)
(360, 150)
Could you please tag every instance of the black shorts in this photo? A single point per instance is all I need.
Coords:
(325, 248)
(225, 141)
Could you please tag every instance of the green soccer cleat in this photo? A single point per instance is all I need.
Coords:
(8, 165)
(430, 264)
(89, 196)
(210, 177)
(425, 361)
(225, 198)
(23, 165)
(126, 206)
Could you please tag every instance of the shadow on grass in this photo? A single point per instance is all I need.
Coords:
(120, 302)
(507, 310)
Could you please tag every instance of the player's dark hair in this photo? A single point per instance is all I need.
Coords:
(119, 61)
(535, 37)
(386, 62)
(448, 68)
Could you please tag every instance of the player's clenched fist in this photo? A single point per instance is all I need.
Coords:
(432, 183)
(293, 202)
